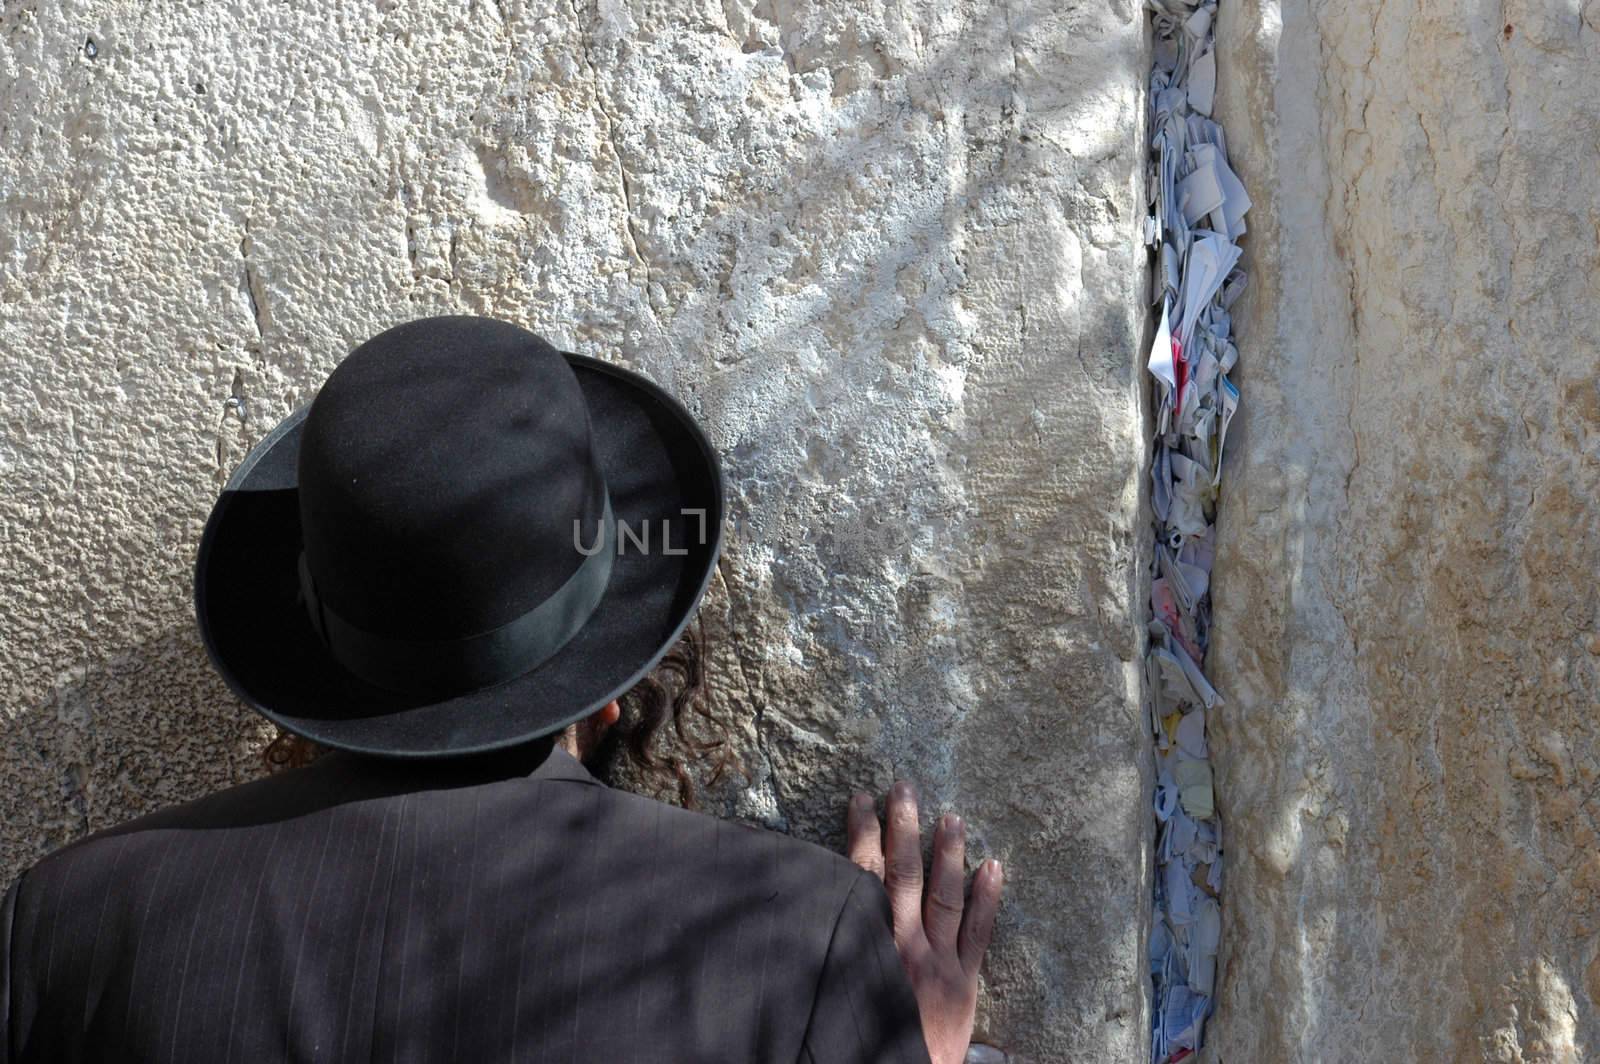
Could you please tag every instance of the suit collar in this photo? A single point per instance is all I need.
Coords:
(560, 765)
(510, 764)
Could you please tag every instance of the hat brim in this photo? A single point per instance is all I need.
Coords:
(662, 473)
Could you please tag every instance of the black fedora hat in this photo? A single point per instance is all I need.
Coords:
(466, 541)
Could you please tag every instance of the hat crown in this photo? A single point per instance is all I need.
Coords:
(447, 479)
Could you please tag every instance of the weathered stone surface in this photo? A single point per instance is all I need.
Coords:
(889, 253)
(1406, 611)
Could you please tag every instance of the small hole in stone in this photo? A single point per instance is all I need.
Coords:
(1509, 30)
(200, 88)
(89, 48)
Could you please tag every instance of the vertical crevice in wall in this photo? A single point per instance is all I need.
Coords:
(1196, 220)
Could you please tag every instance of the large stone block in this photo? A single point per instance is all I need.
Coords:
(889, 253)
(1405, 604)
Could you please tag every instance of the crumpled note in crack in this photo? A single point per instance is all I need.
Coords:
(1194, 788)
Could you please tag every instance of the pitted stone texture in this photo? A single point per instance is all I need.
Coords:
(1405, 600)
(889, 253)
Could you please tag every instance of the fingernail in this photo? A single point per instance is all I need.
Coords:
(952, 824)
(861, 800)
(903, 791)
(994, 868)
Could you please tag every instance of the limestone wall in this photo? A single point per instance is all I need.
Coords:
(1407, 624)
(892, 256)
(889, 252)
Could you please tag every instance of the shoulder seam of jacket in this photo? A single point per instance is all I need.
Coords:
(816, 991)
(8, 909)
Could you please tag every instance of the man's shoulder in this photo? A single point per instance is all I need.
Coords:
(79, 864)
(786, 867)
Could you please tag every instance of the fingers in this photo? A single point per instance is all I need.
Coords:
(941, 920)
(941, 910)
(866, 842)
(978, 923)
(903, 863)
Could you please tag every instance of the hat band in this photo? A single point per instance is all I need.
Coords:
(442, 668)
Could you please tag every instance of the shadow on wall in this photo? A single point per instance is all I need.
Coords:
(149, 726)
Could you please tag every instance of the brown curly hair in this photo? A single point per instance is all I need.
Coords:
(676, 689)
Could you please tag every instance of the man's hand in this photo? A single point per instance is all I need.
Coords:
(941, 937)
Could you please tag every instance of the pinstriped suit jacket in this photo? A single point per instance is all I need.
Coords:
(362, 910)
